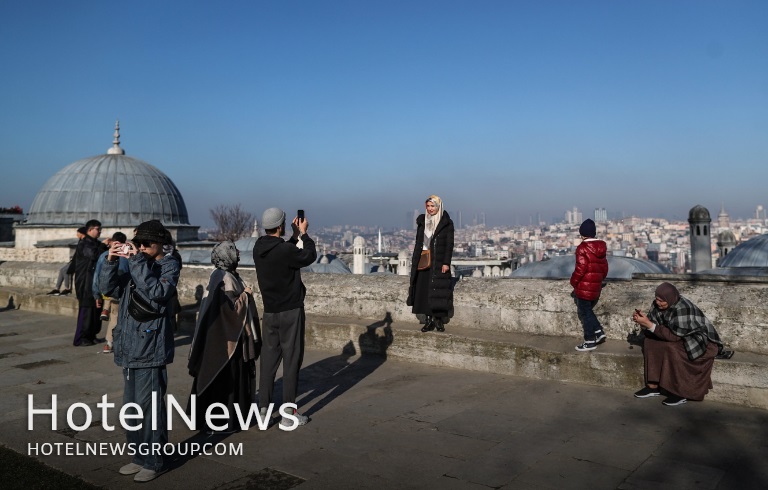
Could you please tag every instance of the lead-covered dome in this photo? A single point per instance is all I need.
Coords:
(561, 267)
(118, 190)
(752, 253)
(699, 213)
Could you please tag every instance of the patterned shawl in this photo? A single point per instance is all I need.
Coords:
(686, 320)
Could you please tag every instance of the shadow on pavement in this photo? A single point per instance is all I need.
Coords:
(326, 380)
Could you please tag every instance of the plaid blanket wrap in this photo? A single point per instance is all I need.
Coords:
(686, 320)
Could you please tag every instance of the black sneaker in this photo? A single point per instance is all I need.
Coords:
(674, 400)
(66, 292)
(647, 392)
(586, 345)
(599, 337)
(55, 292)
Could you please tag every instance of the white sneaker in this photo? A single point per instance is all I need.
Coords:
(286, 422)
(130, 469)
(146, 475)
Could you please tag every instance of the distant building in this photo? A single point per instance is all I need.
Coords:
(723, 219)
(601, 215)
(573, 216)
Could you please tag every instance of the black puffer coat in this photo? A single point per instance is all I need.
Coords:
(441, 248)
(84, 265)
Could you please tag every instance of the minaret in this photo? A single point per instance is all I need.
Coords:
(404, 263)
(701, 240)
(379, 250)
(358, 258)
(726, 241)
(116, 150)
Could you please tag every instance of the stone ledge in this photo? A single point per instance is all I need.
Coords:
(532, 306)
(742, 380)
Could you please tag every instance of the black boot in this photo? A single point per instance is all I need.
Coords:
(439, 325)
(429, 325)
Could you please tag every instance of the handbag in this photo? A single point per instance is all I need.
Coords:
(139, 309)
(425, 260)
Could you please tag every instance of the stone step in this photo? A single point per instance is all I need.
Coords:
(742, 380)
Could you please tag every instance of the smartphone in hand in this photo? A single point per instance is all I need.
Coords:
(300, 214)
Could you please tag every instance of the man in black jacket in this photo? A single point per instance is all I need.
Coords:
(84, 265)
(278, 269)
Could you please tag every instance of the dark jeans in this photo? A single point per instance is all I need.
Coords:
(283, 340)
(589, 321)
(139, 385)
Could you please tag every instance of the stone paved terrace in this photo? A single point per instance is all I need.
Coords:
(378, 422)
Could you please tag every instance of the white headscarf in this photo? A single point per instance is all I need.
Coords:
(430, 222)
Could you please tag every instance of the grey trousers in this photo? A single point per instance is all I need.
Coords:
(282, 340)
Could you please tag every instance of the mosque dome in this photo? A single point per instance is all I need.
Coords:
(752, 253)
(328, 263)
(699, 213)
(561, 267)
(118, 190)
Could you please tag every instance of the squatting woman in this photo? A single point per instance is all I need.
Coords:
(679, 348)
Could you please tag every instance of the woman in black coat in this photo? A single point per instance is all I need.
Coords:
(430, 293)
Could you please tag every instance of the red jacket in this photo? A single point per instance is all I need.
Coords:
(591, 269)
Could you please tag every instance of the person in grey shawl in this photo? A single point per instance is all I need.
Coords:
(679, 349)
(222, 358)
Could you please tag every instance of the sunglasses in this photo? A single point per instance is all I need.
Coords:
(143, 243)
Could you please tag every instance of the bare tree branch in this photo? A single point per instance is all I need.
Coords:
(232, 222)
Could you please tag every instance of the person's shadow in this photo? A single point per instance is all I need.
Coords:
(326, 380)
(11, 305)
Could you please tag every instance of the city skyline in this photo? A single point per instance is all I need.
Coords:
(357, 112)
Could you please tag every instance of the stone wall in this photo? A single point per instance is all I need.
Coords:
(738, 307)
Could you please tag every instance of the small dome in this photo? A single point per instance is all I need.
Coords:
(699, 213)
(561, 267)
(328, 264)
(118, 190)
(752, 253)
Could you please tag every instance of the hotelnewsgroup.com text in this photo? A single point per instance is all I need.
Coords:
(216, 417)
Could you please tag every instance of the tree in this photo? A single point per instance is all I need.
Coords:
(232, 222)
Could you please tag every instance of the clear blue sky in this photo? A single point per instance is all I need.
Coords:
(357, 110)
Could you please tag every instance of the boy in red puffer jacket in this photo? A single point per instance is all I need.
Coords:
(587, 281)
